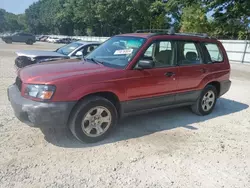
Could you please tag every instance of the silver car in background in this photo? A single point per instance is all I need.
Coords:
(73, 50)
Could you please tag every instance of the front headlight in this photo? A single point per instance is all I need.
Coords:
(44, 92)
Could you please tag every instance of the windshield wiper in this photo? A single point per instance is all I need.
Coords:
(93, 60)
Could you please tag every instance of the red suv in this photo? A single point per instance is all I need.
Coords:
(128, 74)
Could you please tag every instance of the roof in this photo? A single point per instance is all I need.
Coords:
(189, 36)
(142, 35)
(87, 42)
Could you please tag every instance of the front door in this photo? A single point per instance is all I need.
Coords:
(156, 87)
(16, 38)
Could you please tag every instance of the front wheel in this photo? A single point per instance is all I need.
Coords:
(93, 119)
(8, 41)
(206, 102)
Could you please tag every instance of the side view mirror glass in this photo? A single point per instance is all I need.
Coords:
(79, 53)
(145, 64)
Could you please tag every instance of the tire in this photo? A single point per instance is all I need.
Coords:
(8, 41)
(87, 109)
(29, 42)
(205, 99)
(23, 61)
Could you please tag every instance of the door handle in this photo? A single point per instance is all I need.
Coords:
(170, 74)
(203, 70)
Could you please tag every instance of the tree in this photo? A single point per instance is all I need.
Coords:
(158, 15)
(11, 22)
(228, 19)
(194, 19)
(2, 20)
(231, 18)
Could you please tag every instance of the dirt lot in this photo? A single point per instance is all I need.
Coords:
(172, 148)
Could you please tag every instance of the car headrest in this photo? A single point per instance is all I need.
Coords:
(191, 56)
(90, 49)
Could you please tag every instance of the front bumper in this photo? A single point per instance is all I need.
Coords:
(39, 114)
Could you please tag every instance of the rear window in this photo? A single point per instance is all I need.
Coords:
(214, 52)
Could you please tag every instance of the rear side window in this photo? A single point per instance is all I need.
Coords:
(188, 53)
(214, 52)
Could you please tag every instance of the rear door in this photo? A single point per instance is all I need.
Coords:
(24, 37)
(20, 37)
(156, 87)
(16, 37)
(192, 70)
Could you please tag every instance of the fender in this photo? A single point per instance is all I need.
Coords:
(112, 87)
(218, 76)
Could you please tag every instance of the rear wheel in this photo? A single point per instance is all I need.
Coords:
(206, 102)
(29, 42)
(93, 119)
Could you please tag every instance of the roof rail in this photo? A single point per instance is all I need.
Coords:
(205, 35)
(160, 31)
(171, 31)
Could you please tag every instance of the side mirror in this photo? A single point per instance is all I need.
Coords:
(145, 64)
(79, 54)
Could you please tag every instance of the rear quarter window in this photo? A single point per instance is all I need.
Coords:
(214, 52)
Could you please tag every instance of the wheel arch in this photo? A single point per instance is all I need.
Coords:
(217, 85)
(111, 96)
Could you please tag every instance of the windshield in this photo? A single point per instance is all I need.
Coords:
(67, 49)
(117, 51)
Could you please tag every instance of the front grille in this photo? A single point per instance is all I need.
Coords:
(19, 83)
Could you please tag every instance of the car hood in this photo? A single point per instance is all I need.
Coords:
(39, 53)
(52, 71)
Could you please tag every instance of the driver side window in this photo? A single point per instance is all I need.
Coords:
(162, 53)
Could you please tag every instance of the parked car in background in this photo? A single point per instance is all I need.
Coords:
(52, 39)
(128, 74)
(64, 41)
(44, 38)
(20, 37)
(39, 37)
(70, 51)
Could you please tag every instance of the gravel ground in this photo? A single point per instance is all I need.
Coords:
(172, 148)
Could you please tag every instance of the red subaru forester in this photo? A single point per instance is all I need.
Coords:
(127, 74)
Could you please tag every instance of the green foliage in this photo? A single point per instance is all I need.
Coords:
(231, 18)
(227, 19)
(10, 22)
(95, 17)
(243, 35)
(194, 19)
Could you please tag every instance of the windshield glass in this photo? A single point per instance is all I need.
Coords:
(117, 51)
(67, 49)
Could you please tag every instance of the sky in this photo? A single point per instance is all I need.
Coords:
(16, 6)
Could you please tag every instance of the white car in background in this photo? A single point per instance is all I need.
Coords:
(52, 39)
